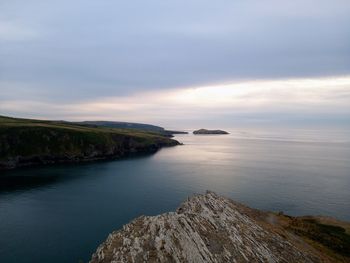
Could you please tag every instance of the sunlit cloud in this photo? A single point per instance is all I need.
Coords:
(316, 96)
(268, 93)
(57, 51)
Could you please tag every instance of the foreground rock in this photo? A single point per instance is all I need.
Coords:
(208, 228)
(205, 131)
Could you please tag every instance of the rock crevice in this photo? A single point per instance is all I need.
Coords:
(205, 228)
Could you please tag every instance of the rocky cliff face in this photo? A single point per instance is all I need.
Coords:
(207, 228)
(32, 145)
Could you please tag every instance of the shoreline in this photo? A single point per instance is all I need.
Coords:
(37, 161)
(25, 142)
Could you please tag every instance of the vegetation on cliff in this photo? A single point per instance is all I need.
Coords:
(327, 234)
(131, 125)
(25, 142)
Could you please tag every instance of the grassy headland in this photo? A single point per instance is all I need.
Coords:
(26, 142)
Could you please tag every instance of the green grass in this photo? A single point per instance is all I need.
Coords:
(16, 122)
(40, 138)
(332, 237)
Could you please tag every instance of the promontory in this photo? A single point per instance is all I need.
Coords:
(26, 142)
(212, 228)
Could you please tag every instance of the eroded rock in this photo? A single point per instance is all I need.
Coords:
(205, 228)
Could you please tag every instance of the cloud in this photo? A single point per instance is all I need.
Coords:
(88, 49)
(264, 100)
(124, 60)
(11, 31)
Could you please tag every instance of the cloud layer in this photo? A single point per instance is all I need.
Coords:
(319, 100)
(58, 53)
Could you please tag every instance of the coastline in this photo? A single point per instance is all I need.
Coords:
(38, 160)
(26, 142)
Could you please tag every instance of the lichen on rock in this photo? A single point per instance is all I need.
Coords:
(205, 228)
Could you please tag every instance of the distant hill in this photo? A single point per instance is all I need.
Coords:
(25, 142)
(123, 125)
(130, 125)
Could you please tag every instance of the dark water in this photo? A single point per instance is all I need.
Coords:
(61, 213)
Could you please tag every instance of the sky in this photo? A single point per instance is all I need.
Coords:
(176, 63)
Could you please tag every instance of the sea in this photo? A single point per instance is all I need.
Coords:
(61, 213)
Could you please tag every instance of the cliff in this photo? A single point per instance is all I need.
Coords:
(210, 228)
(26, 142)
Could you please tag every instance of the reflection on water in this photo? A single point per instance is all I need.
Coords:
(61, 213)
(27, 178)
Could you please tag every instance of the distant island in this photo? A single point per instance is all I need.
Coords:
(211, 228)
(26, 142)
(205, 131)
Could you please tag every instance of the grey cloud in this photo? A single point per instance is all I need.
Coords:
(87, 49)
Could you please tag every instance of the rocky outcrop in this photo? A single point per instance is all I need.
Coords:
(207, 228)
(205, 131)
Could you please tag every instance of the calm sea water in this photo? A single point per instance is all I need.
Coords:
(61, 213)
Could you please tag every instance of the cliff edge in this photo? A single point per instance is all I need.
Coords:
(209, 228)
(25, 142)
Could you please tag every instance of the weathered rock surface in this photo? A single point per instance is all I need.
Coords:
(205, 131)
(206, 228)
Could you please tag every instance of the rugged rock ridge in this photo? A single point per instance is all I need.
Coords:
(206, 228)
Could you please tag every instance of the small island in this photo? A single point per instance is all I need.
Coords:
(205, 131)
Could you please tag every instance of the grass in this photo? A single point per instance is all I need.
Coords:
(332, 237)
(6, 122)
(327, 235)
(28, 138)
